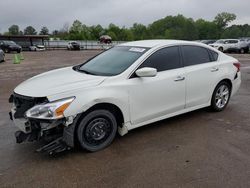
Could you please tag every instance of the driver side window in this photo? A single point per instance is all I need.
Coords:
(164, 59)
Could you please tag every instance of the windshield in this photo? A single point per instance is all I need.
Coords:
(220, 41)
(113, 61)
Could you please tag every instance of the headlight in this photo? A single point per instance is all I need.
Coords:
(52, 110)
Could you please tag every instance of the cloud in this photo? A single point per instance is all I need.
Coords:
(55, 13)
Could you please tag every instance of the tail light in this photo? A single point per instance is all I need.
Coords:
(237, 65)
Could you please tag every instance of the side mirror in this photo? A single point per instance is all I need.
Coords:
(146, 72)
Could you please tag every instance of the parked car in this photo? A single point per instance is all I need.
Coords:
(247, 40)
(10, 46)
(208, 41)
(73, 46)
(2, 56)
(37, 48)
(125, 87)
(105, 39)
(231, 45)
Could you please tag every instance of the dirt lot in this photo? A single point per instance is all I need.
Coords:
(198, 149)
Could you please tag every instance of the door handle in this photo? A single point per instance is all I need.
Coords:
(214, 69)
(179, 78)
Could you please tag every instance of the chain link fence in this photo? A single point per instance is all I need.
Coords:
(85, 45)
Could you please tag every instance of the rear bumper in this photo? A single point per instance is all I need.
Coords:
(236, 84)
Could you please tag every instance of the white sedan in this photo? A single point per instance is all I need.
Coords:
(125, 87)
(37, 48)
(2, 56)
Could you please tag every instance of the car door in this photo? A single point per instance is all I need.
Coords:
(226, 45)
(154, 97)
(202, 73)
(234, 44)
(1, 45)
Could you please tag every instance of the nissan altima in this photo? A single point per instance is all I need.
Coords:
(128, 86)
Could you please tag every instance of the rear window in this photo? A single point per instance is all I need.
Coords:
(214, 55)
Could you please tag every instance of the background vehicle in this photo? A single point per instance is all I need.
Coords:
(208, 41)
(231, 45)
(73, 46)
(247, 40)
(105, 39)
(37, 48)
(128, 86)
(2, 56)
(10, 46)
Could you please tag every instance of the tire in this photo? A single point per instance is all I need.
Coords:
(220, 49)
(242, 51)
(221, 96)
(96, 130)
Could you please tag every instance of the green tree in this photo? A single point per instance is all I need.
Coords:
(14, 30)
(30, 31)
(112, 35)
(96, 32)
(79, 31)
(44, 31)
(232, 32)
(174, 27)
(223, 19)
(139, 31)
(206, 29)
(76, 27)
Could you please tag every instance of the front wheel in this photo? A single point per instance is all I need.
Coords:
(220, 49)
(221, 96)
(97, 130)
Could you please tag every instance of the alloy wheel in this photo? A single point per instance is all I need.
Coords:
(222, 96)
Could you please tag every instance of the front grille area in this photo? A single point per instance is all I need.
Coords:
(23, 103)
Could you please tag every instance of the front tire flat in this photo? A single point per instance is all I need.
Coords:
(97, 130)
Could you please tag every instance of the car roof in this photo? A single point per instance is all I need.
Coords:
(155, 43)
(231, 39)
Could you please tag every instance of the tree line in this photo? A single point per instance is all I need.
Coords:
(170, 27)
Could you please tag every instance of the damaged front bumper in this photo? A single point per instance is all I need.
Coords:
(59, 134)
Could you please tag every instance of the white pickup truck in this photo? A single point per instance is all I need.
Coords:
(231, 45)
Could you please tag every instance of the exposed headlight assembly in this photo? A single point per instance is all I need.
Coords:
(52, 110)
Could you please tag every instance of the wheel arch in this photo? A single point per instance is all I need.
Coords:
(70, 132)
(106, 106)
(228, 81)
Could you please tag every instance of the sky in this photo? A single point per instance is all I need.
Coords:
(56, 13)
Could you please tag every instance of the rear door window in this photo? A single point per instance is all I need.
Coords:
(195, 55)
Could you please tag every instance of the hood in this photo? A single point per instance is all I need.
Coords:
(57, 81)
(215, 44)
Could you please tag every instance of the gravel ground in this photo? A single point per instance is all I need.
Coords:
(197, 149)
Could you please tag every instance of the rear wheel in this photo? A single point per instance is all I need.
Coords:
(242, 51)
(97, 130)
(221, 96)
